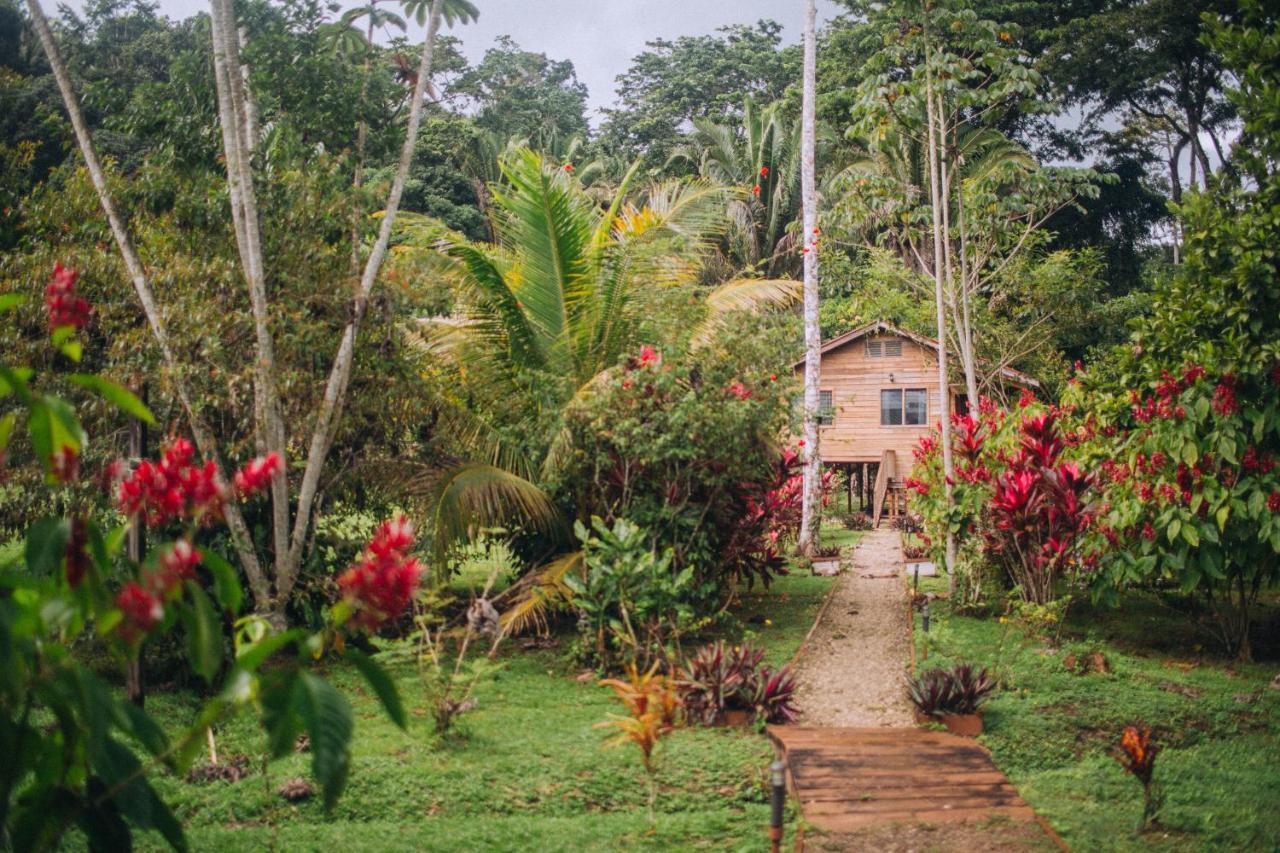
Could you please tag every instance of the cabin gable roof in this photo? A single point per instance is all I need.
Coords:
(881, 327)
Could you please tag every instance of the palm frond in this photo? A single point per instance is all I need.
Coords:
(540, 592)
(473, 496)
(744, 295)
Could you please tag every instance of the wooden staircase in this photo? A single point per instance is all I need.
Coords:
(891, 492)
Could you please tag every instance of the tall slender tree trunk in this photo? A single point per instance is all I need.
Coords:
(340, 373)
(958, 291)
(362, 134)
(940, 298)
(238, 116)
(811, 515)
(242, 542)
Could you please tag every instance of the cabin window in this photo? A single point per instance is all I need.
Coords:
(917, 407)
(899, 407)
(826, 409)
(884, 349)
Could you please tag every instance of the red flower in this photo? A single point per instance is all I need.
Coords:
(65, 307)
(742, 392)
(649, 356)
(1192, 374)
(568, 167)
(380, 586)
(1224, 396)
(257, 475)
(1148, 532)
(176, 565)
(1026, 398)
(800, 443)
(76, 556)
(773, 377)
(142, 611)
(755, 190)
(173, 488)
(764, 171)
(64, 464)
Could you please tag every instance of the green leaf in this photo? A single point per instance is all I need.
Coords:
(15, 379)
(1175, 527)
(73, 350)
(46, 544)
(53, 426)
(117, 395)
(226, 582)
(252, 657)
(6, 429)
(383, 686)
(1191, 535)
(1223, 512)
(327, 716)
(9, 301)
(204, 634)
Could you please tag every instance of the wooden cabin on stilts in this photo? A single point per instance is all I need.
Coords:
(879, 395)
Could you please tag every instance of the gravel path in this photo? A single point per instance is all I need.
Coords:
(851, 672)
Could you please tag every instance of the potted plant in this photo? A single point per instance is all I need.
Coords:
(729, 686)
(953, 697)
(826, 561)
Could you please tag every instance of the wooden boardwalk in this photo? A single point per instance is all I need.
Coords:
(847, 779)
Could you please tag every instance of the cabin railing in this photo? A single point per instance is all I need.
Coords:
(888, 471)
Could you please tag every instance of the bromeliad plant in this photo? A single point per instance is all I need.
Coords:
(717, 678)
(76, 754)
(958, 690)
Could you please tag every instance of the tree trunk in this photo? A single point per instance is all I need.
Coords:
(811, 515)
(939, 293)
(233, 111)
(142, 287)
(340, 374)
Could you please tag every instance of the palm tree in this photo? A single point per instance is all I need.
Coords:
(762, 156)
(558, 300)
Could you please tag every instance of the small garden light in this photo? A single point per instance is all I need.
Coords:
(778, 783)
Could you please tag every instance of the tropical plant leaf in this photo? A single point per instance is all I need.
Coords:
(117, 395)
(539, 592)
(473, 496)
(383, 686)
(327, 716)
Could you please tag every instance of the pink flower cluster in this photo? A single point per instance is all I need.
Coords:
(64, 305)
(382, 584)
(257, 475)
(142, 602)
(173, 489)
(737, 389)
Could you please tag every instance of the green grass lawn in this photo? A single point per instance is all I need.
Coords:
(1053, 731)
(528, 770)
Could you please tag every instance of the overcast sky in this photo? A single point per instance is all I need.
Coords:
(599, 36)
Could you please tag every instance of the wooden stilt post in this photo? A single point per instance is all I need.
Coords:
(848, 477)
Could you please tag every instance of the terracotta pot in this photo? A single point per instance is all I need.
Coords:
(735, 717)
(965, 725)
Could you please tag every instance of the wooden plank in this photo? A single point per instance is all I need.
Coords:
(814, 808)
(849, 823)
(849, 778)
(878, 781)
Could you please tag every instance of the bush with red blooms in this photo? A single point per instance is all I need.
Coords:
(74, 742)
(1018, 507)
(380, 587)
(685, 446)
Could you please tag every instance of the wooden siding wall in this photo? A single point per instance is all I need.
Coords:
(855, 381)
